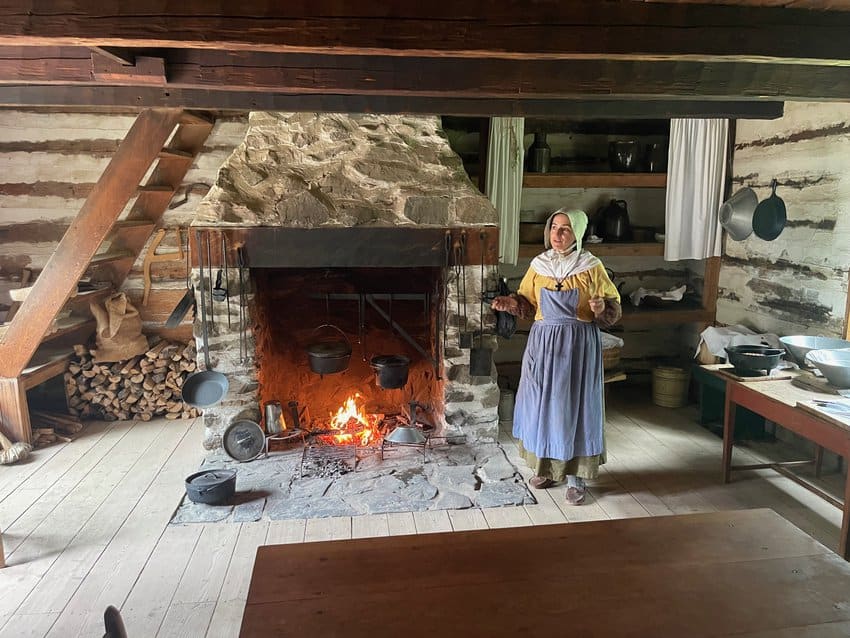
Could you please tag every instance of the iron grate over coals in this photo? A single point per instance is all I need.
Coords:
(324, 461)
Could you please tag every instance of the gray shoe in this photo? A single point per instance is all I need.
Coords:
(575, 495)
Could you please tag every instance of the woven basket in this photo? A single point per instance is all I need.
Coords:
(611, 358)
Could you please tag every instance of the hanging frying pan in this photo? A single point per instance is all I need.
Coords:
(204, 387)
(769, 218)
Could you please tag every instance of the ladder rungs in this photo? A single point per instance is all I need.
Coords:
(108, 257)
(190, 117)
(172, 153)
(155, 188)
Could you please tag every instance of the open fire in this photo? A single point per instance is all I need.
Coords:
(354, 425)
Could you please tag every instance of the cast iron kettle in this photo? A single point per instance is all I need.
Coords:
(615, 221)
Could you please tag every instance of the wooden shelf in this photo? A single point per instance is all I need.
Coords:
(621, 249)
(594, 180)
(679, 312)
(35, 374)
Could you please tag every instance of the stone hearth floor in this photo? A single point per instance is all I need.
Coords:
(445, 477)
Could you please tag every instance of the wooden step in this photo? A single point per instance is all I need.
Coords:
(88, 296)
(174, 154)
(194, 118)
(156, 188)
(111, 256)
(72, 325)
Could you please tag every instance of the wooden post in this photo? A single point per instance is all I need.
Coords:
(119, 182)
(847, 310)
(14, 415)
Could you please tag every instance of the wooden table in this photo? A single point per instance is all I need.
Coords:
(780, 402)
(717, 574)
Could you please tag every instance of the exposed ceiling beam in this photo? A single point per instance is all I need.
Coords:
(546, 29)
(148, 96)
(427, 77)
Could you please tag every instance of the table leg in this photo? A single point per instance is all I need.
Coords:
(844, 540)
(818, 460)
(728, 436)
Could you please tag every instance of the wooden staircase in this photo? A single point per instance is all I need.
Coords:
(161, 144)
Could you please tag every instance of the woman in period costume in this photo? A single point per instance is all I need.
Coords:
(559, 411)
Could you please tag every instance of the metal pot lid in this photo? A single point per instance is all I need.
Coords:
(406, 434)
(211, 478)
(389, 360)
(329, 349)
(243, 440)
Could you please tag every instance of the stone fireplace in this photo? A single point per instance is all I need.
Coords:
(360, 227)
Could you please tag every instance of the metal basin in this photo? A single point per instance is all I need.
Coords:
(800, 345)
(833, 364)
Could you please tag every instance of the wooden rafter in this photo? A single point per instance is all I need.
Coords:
(477, 28)
(108, 197)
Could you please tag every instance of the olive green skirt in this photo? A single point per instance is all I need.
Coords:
(586, 467)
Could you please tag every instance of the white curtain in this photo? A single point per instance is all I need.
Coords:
(696, 172)
(504, 181)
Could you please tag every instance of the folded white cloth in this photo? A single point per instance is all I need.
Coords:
(610, 341)
(674, 294)
(717, 339)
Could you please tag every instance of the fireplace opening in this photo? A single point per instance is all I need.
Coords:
(378, 311)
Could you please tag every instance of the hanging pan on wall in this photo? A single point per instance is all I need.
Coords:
(736, 214)
(769, 218)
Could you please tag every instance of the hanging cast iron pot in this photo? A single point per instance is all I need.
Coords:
(390, 370)
(331, 355)
(769, 218)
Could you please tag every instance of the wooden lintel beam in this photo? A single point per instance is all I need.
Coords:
(118, 183)
(145, 70)
(125, 57)
(477, 28)
(142, 96)
(431, 77)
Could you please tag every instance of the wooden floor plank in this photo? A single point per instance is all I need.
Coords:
(204, 575)
(286, 531)
(506, 517)
(186, 619)
(472, 518)
(147, 604)
(431, 521)
(328, 529)
(119, 566)
(401, 523)
(659, 459)
(369, 526)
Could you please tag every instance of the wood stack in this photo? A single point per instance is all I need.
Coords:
(146, 386)
(49, 427)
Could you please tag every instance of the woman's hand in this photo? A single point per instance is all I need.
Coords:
(506, 304)
(597, 305)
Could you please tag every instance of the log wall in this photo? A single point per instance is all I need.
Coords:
(48, 164)
(796, 284)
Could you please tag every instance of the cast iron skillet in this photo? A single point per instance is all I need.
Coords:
(769, 218)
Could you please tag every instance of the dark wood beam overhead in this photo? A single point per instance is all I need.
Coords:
(145, 96)
(546, 29)
(426, 77)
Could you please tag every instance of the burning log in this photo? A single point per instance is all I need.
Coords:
(143, 387)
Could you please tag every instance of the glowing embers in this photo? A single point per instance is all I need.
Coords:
(352, 425)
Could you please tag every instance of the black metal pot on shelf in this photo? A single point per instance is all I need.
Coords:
(615, 221)
(539, 154)
(623, 156)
